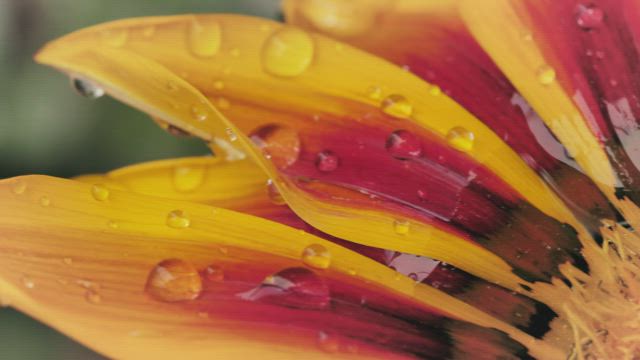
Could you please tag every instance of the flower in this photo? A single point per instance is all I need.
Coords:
(495, 139)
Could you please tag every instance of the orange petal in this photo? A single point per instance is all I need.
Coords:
(134, 276)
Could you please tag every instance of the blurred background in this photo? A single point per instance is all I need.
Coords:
(46, 128)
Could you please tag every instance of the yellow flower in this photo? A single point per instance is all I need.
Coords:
(493, 138)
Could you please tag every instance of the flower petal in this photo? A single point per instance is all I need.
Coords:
(430, 39)
(135, 276)
(303, 98)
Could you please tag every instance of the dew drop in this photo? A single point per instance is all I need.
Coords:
(294, 287)
(218, 84)
(231, 134)
(546, 75)
(171, 85)
(45, 201)
(188, 178)
(589, 17)
(274, 194)
(341, 18)
(327, 161)
(316, 256)
(287, 52)
(280, 144)
(92, 296)
(461, 138)
(19, 188)
(114, 37)
(398, 106)
(68, 261)
(401, 227)
(223, 103)
(328, 342)
(375, 93)
(402, 144)
(174, 280)
(199, 113)
(87, 88)
(204, 38)
(435, 90)
(113, 224)
(100, 192)
(28, 282)
(214, 273)
(178, 220)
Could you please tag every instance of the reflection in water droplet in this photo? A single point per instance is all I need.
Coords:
(327, 161)
(274, 194)
(214, 273)
(28, 282)
(188, 178)
(177, 219)
(287, 52)
(461, 138)
(45, 201)
(328, 343)
(295, 287)
(114, 37)
(204, 37)
(546, 75)
(19, 188)
(589, 17)
(402, 144)
(280, 144)
(87, 88)
(174, 280)
(199, 112)
(401, 227)
(100, 192)
(397, 106)
(316, 256)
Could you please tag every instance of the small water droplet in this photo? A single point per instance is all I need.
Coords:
(171, 85)
(199, 112)
(113, 224)
(204, 37)
(328, 343)
(402, 144)
(87, 88)
(435, 90)
(294, 287)
(114, 37)
(398, 106)
(352, 272)
(316, 256)
(461, 138)
(327, 161)
(280, 144)
(68, 261)
(223, 103)
(231, 134)
(100, 192)
(148, 31)
(214, 273)
(546, 75)
(218, 84)
(177, 219)
(375, 93)
(589, 17)
(423, 194)
(274, 194)
(45, 201)
(287, 52)
(28, 282)
(174, 280)
(188, 178)
(92, 296)
(401, 227)
(19, 188)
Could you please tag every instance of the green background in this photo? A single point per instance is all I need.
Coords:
(46, 128)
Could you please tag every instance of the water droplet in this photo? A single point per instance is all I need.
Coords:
(114, 37)
(199, 112)
(341, 18)
(28, 282)
(280, 144)
(231, 134)
(214, 273)
(45, 201)
(178, 220)
(435, 90)
(87, 88)
(294, 287)
(287, 52)
(174, 280)
(218, 85)
(461, 138)
(19, 188)
(402, 144)
(223, 103)
(423, 194)
(113, 224)
(188, 178)
(375, 93)
(328, 343)
(401, 227)
(274, 194)
(546, 75)
(352, 272)
(100, 192)
(397, 106)
(316, 256)
(327, 161)
(204, 37)
(68, 261)
(171, 85)
(589, 17)
(92, 296)
(148, 31)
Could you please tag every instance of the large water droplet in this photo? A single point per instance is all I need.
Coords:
(274, 194)
(461, 138)
(204, 37)
(177, 219)
(287, 52)
(295, 287)
(114, 37)
(280, 144)
(398, 106)
(589, 17)
(316, 256)
(546, 75)
(87, 88)
(188, 178)
(174, 280)
(402, 144)
(327, 161)
(100, 192)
